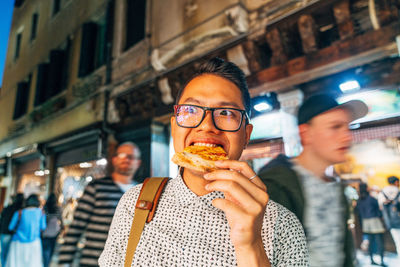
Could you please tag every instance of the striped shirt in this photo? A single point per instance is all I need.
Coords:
(92, 219)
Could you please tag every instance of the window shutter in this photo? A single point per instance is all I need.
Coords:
(65, 67)
(88, 49)
(55, 73)
(41, 83)
(21, 101)
(135, 22)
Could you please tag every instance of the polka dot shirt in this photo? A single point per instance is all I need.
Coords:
(188, 231)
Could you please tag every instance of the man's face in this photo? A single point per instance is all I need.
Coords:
(211, 91)
(328, 135)
(126, 160)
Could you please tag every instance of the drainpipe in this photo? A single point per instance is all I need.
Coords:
(109, 38)
(105, 129)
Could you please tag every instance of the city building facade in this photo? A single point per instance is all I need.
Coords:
(83, 75)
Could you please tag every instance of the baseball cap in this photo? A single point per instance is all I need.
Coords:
(320, 103)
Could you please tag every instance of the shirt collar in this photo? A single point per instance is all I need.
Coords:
(185, 197)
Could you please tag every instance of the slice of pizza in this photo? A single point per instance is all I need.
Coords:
(200, 158)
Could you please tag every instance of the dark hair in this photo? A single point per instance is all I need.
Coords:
(227, 70)
(51, 206)
(18, 202)
(363, 190)
(392, 179)
(32, 201)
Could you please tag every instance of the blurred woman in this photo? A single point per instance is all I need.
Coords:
(371, 220)
(5, 234)
(26, 249)
(54, 226)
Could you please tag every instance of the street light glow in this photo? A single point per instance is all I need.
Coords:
(349, 86)
(263, 106)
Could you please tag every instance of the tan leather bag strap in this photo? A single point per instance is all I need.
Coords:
(144, 211)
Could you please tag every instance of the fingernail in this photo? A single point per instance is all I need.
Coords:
(206, 176)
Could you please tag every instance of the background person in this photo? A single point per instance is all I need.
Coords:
(371, 220)
(389, 201)
(301, 185)
(53, 228)
(96, 207)
(26, 248)
(6, 216)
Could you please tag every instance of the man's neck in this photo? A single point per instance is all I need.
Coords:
(120, 178)
(195, 182)
(313, 163)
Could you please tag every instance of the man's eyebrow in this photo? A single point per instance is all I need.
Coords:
(192, 100)
(337, 121)
(222, 103)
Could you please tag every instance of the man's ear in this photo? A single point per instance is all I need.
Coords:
(304, 133)
(249, 129)
(173, 124)
(113, 160)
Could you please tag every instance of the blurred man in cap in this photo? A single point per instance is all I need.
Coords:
(301, 185)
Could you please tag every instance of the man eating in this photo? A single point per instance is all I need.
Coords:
(218, 218)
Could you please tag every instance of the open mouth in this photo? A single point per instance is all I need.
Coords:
(206, 144)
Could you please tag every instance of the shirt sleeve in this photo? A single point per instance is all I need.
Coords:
(115, 248)
(13, 221)
(43, 223)
(81, 218)
(381, 200)
(290, 247)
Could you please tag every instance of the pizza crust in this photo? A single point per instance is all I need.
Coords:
(199, 158)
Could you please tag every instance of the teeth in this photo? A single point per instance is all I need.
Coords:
(205, 144)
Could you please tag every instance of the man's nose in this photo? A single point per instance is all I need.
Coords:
(347, 135)
(207, 124)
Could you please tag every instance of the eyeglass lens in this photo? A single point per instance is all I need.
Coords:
(224, 118)
(125, 155)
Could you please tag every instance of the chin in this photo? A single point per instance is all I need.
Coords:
(339, 159)
(194, 172)
(125, 172)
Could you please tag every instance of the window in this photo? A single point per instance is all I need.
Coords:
(41, 83)
(54, 80)
(18, 3)
(96, 38)
(65, 66)
(17, 45)
(35, 19)
(56, 6)
(22, 97)
(88, 49)
(135, 22)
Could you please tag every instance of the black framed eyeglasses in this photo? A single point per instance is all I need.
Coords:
(224, 119)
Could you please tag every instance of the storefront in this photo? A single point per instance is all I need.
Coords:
(75, 161)
(375, 154)
(28, 172)
(3, 188)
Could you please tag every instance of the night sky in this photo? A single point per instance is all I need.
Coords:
(6, 8)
